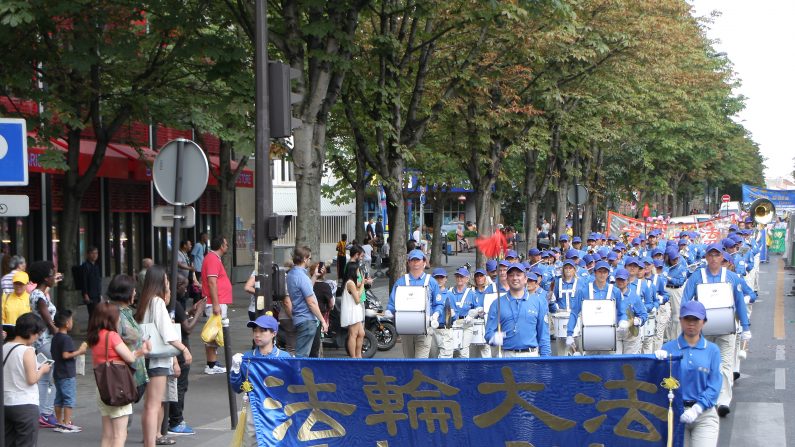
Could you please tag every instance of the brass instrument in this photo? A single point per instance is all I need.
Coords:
(763, 211)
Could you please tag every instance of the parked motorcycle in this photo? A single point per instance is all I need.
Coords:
(374, 321)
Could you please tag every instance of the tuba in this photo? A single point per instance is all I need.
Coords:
(763, 211)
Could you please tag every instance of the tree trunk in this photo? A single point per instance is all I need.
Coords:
(308, 157)
(360, 230)
(483, 213)
(226, 189)
(68, 251)
(439, 239)
(563, 186)
(396, 210)
(531, 222)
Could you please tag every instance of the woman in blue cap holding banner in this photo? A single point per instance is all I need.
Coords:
(264, 330)
(699, 375)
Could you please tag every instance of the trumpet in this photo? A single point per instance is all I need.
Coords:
(696, 265)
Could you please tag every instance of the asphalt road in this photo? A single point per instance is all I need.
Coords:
(762, 408)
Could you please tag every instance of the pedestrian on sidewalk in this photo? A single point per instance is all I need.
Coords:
(217, 289)
(65, 372)
(122, 292)
(92, 280)
(20, 377)
(342, 246)
(305, 310)
(42, 273)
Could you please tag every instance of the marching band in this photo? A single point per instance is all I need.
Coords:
(605, 299)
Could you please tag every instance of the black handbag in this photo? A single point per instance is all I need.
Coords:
(115, 382)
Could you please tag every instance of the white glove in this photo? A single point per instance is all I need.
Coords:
(745, 336)
(637, 321)
(691, 414)
(551, 297)
(472, 314)
(467, 320)
(623, 324)
(435, 320)
(661, 354)
(237, 359)
(569, 341)
(496, 340)
(481, 312)
(388, 314)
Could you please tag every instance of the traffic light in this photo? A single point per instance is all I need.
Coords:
(282, 99)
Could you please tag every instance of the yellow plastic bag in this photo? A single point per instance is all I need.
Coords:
(212, 330)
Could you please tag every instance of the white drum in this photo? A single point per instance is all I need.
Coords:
(479, 332)
(718, 300)
(598, 325)
(560, 320)
(458, 337)
(411, 310)
(488, 300)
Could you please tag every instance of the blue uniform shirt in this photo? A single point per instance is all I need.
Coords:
(630, 299)
(646, 293)
(477, 298)
(699, 370)
(299, 287)
(565, 291)
(433, 288)
(677, 275)
(658, 283)
(591, 291)
(439, 304)
(739, 302)
(460, 301)
(524, 321)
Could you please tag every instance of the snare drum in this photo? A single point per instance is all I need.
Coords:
(411, 310)
(561, 323)
(598, 325)
(458, 337)
(479, 332)
(718, 300)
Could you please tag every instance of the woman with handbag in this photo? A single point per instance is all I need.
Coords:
(155, 320)
(20, 378)
(108, 352)
(352, 309)
(121, 292)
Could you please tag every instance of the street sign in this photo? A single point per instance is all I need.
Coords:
(192, 176)
(163, 216)
(725, 198)
(13, 152)
(14, 205)
(578, 196)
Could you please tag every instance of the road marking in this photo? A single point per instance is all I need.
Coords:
(781, 352)
(762, 424)
(781, 379)
(778, 320)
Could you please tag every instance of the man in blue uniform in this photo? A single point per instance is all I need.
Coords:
(443, 316)
(628, 342)
(599, 289)
(519, 323)
(715, 273)
(699, 376)
(415, 346)
(675, 275)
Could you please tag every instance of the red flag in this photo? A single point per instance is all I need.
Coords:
(492, 246)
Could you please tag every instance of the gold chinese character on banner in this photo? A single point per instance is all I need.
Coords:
(388, 399)
(317, 407)
(512, 399)
(634, 406)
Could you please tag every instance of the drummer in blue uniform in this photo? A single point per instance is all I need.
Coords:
(415, 346)
(521, 327)
(576, 244)
(626, 341)
(675, 275)
(443, 316)
(477, 303)
(714, 272)
(565, 246)
(599, 289)
(699, 376)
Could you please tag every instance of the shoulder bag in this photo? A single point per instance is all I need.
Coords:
(115, 381)
(160, 349)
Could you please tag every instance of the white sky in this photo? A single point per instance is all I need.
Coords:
(758, 37)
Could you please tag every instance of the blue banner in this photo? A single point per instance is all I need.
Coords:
(782, 199)
(555, 401)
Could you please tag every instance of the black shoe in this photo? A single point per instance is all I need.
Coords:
(723, 410)
(736, 376)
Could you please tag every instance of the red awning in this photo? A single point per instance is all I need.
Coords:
(114, 164)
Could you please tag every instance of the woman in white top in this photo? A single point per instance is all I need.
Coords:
(152, 309)
(352, 308)
(20, 378)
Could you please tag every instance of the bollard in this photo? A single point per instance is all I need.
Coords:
(228, 361)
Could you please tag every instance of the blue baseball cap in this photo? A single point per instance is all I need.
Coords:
(480, 272)
(491, 265)
(564, 237)
(693, 308)
(636, 241)
(684, 233)
(462, 271)
(733, 227)
(416, 254)
(533, 252)
(526, 264)
(264, 322)
(531, 276)
(749, 219)
(621, 246)
(612, 238)
(587, 259)
(505, 263)
(592, 237)
(515, 265)
(511, 254)
(612, 256)
(546, 254)
(569, 262)
(601, 265)
(576, 240)
(682, 242)
(672, 253)
(658, 263)
(439, 272)
(715, 247)
(728, 243)
(632, 260)
(622, 274)
(596, 257)
(656, 252)
(727, 257)
(571, 254)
